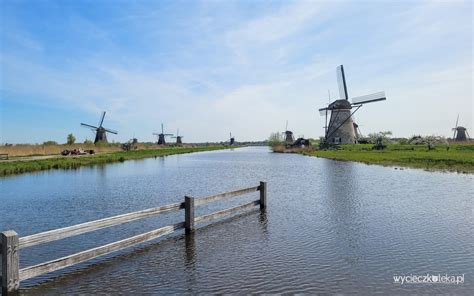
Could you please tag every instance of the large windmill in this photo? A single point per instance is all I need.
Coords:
(161, 136)
(100, 131)
(231, 140)
(341, 128)
(460, 132)
(178, 138)
(289, 138)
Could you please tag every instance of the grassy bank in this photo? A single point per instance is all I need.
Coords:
(455, 157)
(69, 162)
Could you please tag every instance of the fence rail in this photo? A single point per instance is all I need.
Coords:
(10, 243)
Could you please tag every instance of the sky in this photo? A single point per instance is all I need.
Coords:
(246, 67)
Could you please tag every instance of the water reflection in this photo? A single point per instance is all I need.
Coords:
(330, 227)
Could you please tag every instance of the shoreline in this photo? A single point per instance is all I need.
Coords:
(457, 159)
(21, 166)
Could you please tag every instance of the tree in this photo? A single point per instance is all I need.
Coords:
(71, 139)
(275, 139)
(373, 137)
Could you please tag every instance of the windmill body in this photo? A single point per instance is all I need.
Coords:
(100, 135)
(341, 128)
(460, 132)
(231, 140)
(289, 138)
(178, 138)
(161, 136)
(100, 131)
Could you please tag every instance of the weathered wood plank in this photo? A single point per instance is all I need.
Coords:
(10, 262)
(223, 213)
(189, 214)
(263, 195)
(205, 200)
(56, 234)
(50, 266)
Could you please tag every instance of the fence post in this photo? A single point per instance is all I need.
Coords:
(10, 262)
(189, 214)
(263, 195)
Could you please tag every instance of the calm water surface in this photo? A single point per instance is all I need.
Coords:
(330, 227)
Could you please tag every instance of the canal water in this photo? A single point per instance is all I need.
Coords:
(330, 226)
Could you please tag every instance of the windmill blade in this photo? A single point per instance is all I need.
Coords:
(111, 131)
(102, 119)
(162, 130)
(341, 81)
(375, 97)
(168, 134)
(89, 126)
(286, 127)
(457, 120)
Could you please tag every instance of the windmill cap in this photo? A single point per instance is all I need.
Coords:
(340, 104)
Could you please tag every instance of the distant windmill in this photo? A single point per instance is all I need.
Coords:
(289, 139)
(460, 132)
(231, 140)
(178, 138)
(341, 128)
(161, 136)
(100, 131)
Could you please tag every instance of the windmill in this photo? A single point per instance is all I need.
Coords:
(289, 139)
(231, 140)
(341, 128)
(460, 132)
(100, 131)
(161, 136)
(178, 138)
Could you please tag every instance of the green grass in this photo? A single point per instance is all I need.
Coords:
(68, 162)
(459, 157)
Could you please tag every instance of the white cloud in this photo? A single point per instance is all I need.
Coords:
(274, 67)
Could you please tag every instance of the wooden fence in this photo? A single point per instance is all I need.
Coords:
(10, 243)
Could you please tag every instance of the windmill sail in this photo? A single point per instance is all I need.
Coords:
(102, 119)
(341, 81)
(111, 131)
(88, 125)
(375, 97)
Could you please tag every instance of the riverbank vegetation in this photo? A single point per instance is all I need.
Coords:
(19, 166)
(53, 148)
(453, 157)
(430, 153)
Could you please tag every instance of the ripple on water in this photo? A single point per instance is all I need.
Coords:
(330, 227)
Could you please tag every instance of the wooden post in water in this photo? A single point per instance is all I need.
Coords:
(10, 262)
(189, 214)
(263, 195)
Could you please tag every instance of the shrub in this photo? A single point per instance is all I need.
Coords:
(50, 143)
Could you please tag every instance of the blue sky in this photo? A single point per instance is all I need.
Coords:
(211, 67)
